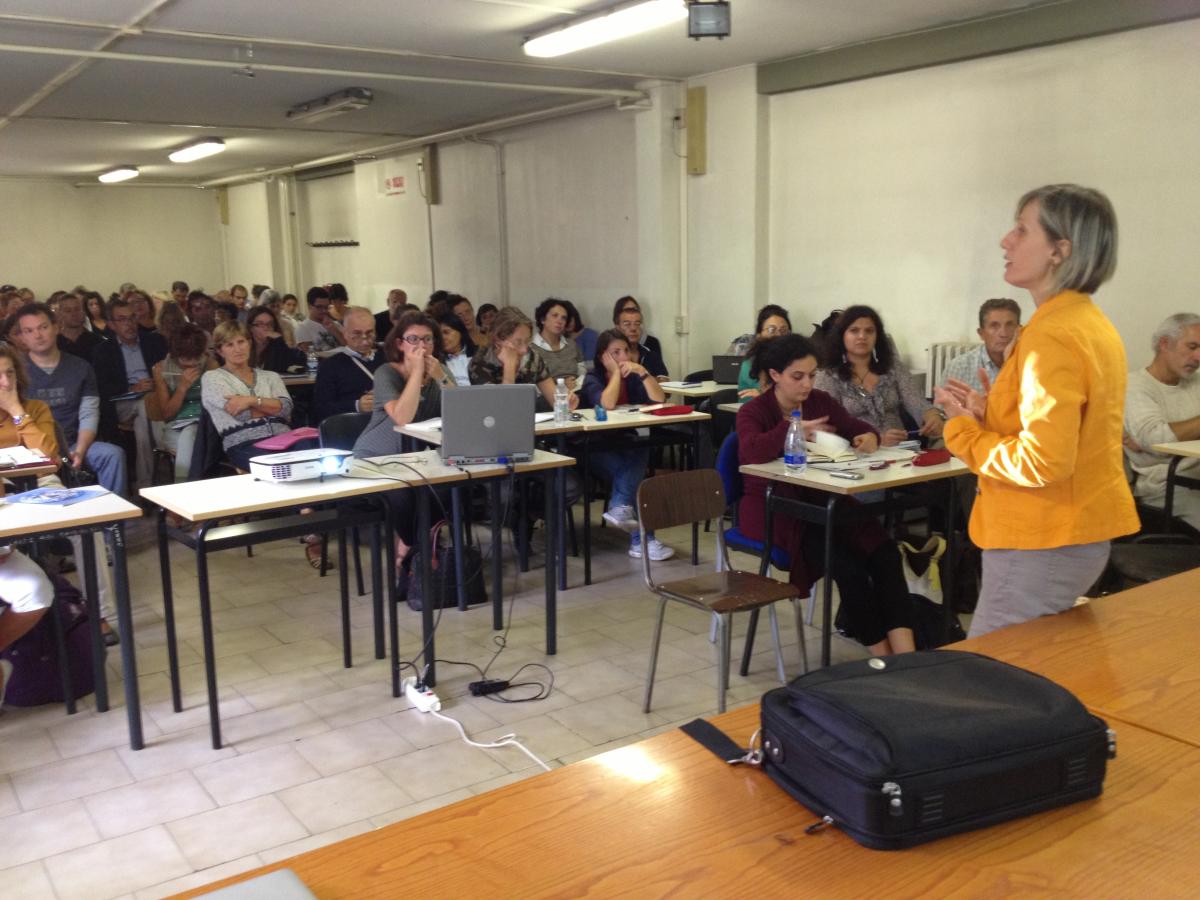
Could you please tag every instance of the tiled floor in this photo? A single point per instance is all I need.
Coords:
(316, 752)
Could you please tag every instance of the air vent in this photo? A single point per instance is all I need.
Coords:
(931, 809)
(281, 472)
(1077, 771)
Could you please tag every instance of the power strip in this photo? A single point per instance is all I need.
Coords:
(423, 698)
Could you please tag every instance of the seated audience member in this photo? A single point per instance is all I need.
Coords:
(345, 380)
(291, 309)
(864, 374)
(408, 388)
(180, 292)
(239, 295)
(1162, 406)
(772, 322)
(866, 564)
(384, 320)
(457, 349)
(256, 291)
(339, 300)
(143, 310)
(615, 381)
(123, 366)
(67, 384)
(24, 422)
(561, 354)
(484, 316)
(646, 340)
(93, 305)
(584, 337)
(461, 307)
(629, 321)
(509, 359)
(318, 332)
(999, 322)
(177, 390)
(170, 319)
(26, 594)
(246, 404)
(225, 311)
(201, 310)
(271, 300)
(12, 332)
(73, 337)
(271, 351)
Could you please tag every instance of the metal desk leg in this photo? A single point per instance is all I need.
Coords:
(523, 536)
(389, 556)
(164, 566)
(90, 590)
(1169, 499)
(206, 625)
(125, 616)
(695, 465)
(827, 592)
(344, 596)
(949, 594)
(587, 513)
(553, 524)
(424, 549)
(459, 546)
(560, 485)
(497, 554)
(764, 566)
(377, 588)
(64, 661)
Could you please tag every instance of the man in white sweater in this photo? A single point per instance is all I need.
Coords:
(1162, 405)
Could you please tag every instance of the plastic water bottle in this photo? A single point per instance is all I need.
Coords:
(562, 402)
(312, 363)
(795, 455)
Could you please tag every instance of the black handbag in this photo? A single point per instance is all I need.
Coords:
(443, 581)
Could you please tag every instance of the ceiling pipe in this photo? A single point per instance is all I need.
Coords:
(247, 40)
(412, 143)
(229, 65)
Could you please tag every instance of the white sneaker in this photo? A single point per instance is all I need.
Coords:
(622, 517)
(658, 550)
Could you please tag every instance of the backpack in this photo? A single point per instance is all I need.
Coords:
(36, 677)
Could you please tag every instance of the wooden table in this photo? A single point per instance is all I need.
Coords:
(108, 513)
(834, 489)
(665, 817)
(1179, 451)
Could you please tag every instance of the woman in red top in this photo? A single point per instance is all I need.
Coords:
(875, 608)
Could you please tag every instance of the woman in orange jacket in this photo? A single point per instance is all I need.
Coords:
(1045, 440)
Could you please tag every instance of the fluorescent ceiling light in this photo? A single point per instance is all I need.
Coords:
(334, 105)
(619, 22)
(198, 150)
(121, 173)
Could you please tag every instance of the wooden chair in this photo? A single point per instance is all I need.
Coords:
(682, 498)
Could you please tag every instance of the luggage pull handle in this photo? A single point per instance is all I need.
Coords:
(753, 755)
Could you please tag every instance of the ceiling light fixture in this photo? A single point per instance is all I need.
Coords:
(121, 173)
(197, 150)
(334, 105)
(619, 22)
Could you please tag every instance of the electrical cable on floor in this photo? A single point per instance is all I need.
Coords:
(508, 740)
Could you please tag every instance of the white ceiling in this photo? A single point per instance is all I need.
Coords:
(71, 117)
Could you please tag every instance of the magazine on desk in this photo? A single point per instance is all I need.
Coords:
(849, 459)
(58, 496)
(17, 456)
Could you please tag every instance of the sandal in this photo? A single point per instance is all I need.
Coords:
(313, 551)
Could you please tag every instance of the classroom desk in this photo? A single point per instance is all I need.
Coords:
(664, 817)
(894, 476)
(1179, 451)
(298, 380)
(108, 512)
(694, 390)
(729, 407)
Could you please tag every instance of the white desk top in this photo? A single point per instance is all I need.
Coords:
(703, 389)
(26, 520)
(1179, 448)
(895, 475)
(588, 423)
(729, 407)
(215, 498)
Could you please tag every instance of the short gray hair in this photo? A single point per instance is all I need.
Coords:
(268, 296)
(1172, 328)
(1085, 217)
(999, 303)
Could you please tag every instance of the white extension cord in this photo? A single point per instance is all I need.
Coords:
(427, 701)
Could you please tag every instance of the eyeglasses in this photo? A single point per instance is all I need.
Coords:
(777, 329)
(415, 339)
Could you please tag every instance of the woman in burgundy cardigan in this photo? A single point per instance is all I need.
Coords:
(875, 608)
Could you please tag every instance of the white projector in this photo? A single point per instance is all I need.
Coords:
(300, 465)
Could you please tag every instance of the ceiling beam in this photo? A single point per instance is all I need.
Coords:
(1052, 23)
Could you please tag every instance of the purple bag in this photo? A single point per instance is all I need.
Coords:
(36, 678)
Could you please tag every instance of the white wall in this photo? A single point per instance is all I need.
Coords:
(247, 237)
(896, 191)
(54, 235)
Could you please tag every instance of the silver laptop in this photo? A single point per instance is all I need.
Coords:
(726, 369)
(488, 423)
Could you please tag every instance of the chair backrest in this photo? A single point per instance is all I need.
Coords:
(680, 498)
(702, 375)
(727, 468)
(339, 432)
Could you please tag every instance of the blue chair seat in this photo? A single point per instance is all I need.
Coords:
(736, 540)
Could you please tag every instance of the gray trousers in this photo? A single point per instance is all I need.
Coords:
(1019, 585)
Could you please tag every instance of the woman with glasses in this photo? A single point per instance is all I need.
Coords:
(510, 359)
(864, 374)
(772, 322)
(271, 351)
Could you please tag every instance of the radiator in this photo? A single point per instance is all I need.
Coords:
(939, 357)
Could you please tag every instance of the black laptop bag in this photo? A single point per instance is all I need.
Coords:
(900, 750)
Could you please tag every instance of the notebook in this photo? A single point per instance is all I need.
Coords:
(488, 423)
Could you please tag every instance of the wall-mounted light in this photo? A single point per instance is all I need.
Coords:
(619, 22)
(197, 150)
(121, 173)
